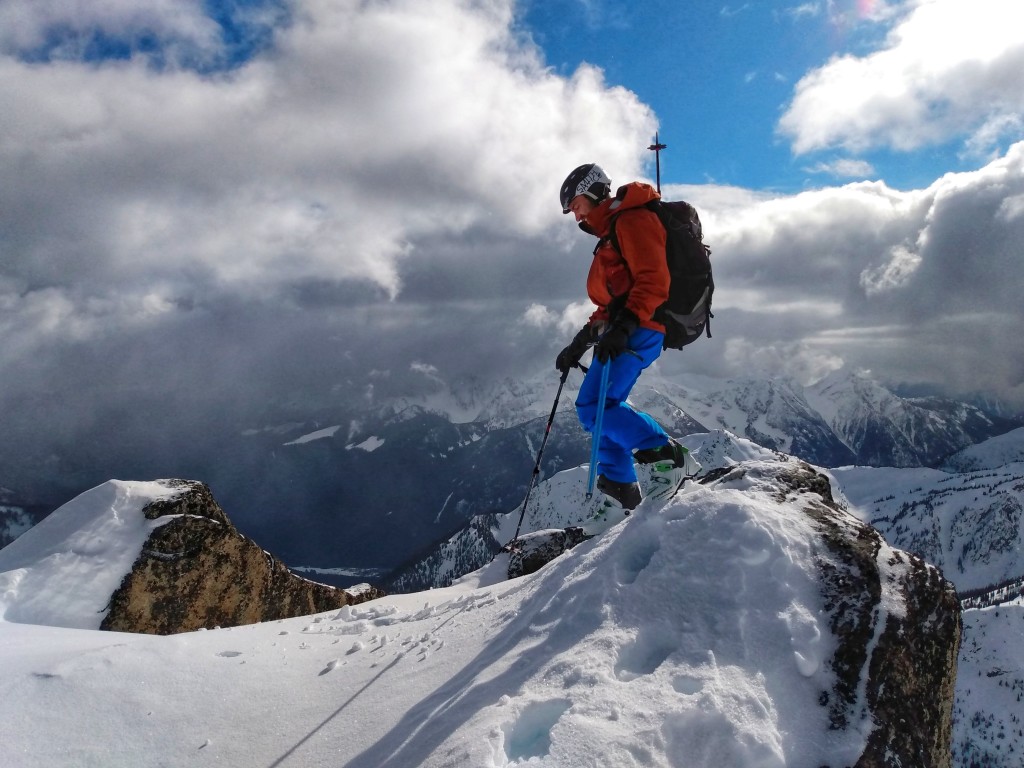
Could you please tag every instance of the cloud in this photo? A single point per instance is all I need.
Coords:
(179, 29)
(539, 316)
(918, 285)
(800, 361)
(841, 168)
(803, 11)
(354, 154)
(728, 11)
(949, 69)
(895, 272)
(188, 250)
(194, 238)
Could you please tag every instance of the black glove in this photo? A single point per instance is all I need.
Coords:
(616, 339)
(570, 356)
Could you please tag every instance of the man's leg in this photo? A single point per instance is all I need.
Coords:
(623, 428)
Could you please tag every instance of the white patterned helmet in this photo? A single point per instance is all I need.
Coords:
(587, 180)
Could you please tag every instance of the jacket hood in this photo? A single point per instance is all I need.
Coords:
(633, 195)
(636, 194)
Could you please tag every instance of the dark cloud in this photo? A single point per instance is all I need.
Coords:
(916, 286)
(368, 207)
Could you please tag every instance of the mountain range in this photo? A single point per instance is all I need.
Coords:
(366, 487)
(963, 513)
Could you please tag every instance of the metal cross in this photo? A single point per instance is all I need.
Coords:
(656, 148)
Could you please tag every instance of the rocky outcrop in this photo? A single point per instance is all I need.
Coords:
(197, 571)
(533, 550)
(895, 619)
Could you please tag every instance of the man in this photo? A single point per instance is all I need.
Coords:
(628, 280)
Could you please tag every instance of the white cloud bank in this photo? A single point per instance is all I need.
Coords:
(368, 129)
(919, 286)
(949, 68)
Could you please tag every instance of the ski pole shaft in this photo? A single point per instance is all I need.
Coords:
(595, 438)
(540, 453)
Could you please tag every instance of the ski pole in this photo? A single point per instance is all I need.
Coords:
(595, 437)
(536, 467)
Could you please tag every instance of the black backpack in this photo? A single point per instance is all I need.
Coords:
(686, 314)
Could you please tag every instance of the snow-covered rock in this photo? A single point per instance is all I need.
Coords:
(155, 557)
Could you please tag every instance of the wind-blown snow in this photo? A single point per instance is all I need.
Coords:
(691, 634)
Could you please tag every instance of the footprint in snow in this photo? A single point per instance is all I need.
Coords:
(687, 684)
(529, 735)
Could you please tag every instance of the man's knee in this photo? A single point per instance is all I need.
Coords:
(587, 413)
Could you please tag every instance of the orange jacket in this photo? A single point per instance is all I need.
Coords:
(638, 269)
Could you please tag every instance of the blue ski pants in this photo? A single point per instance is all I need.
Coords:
(624, 429)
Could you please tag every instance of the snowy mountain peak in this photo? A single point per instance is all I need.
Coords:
(991, 454)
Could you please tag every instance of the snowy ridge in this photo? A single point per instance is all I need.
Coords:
(845, 418)
(264, 484)
(988, 542)
(883, 429)
(547, 508)
(969, 524)
(992, 453)
(691, 633)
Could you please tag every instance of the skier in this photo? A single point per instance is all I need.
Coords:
(628, 280)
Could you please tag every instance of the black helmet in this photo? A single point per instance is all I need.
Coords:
(587, 180)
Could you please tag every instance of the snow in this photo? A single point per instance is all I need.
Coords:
(320, 434)
(369, 445)
(994, 452)
(692, 634)
(988, 727)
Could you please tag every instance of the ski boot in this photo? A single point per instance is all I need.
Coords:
(672, 466)
(617, 501)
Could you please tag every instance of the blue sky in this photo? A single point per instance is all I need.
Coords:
(720, 75)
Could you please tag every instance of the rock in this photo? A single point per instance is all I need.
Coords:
(197, 571)
(896, 619)
(533, 550)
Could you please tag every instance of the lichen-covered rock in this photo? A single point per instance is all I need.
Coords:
(197, 571)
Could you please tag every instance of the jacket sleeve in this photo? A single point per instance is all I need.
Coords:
(641, 241)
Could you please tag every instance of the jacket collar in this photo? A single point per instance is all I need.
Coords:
(633, 195)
